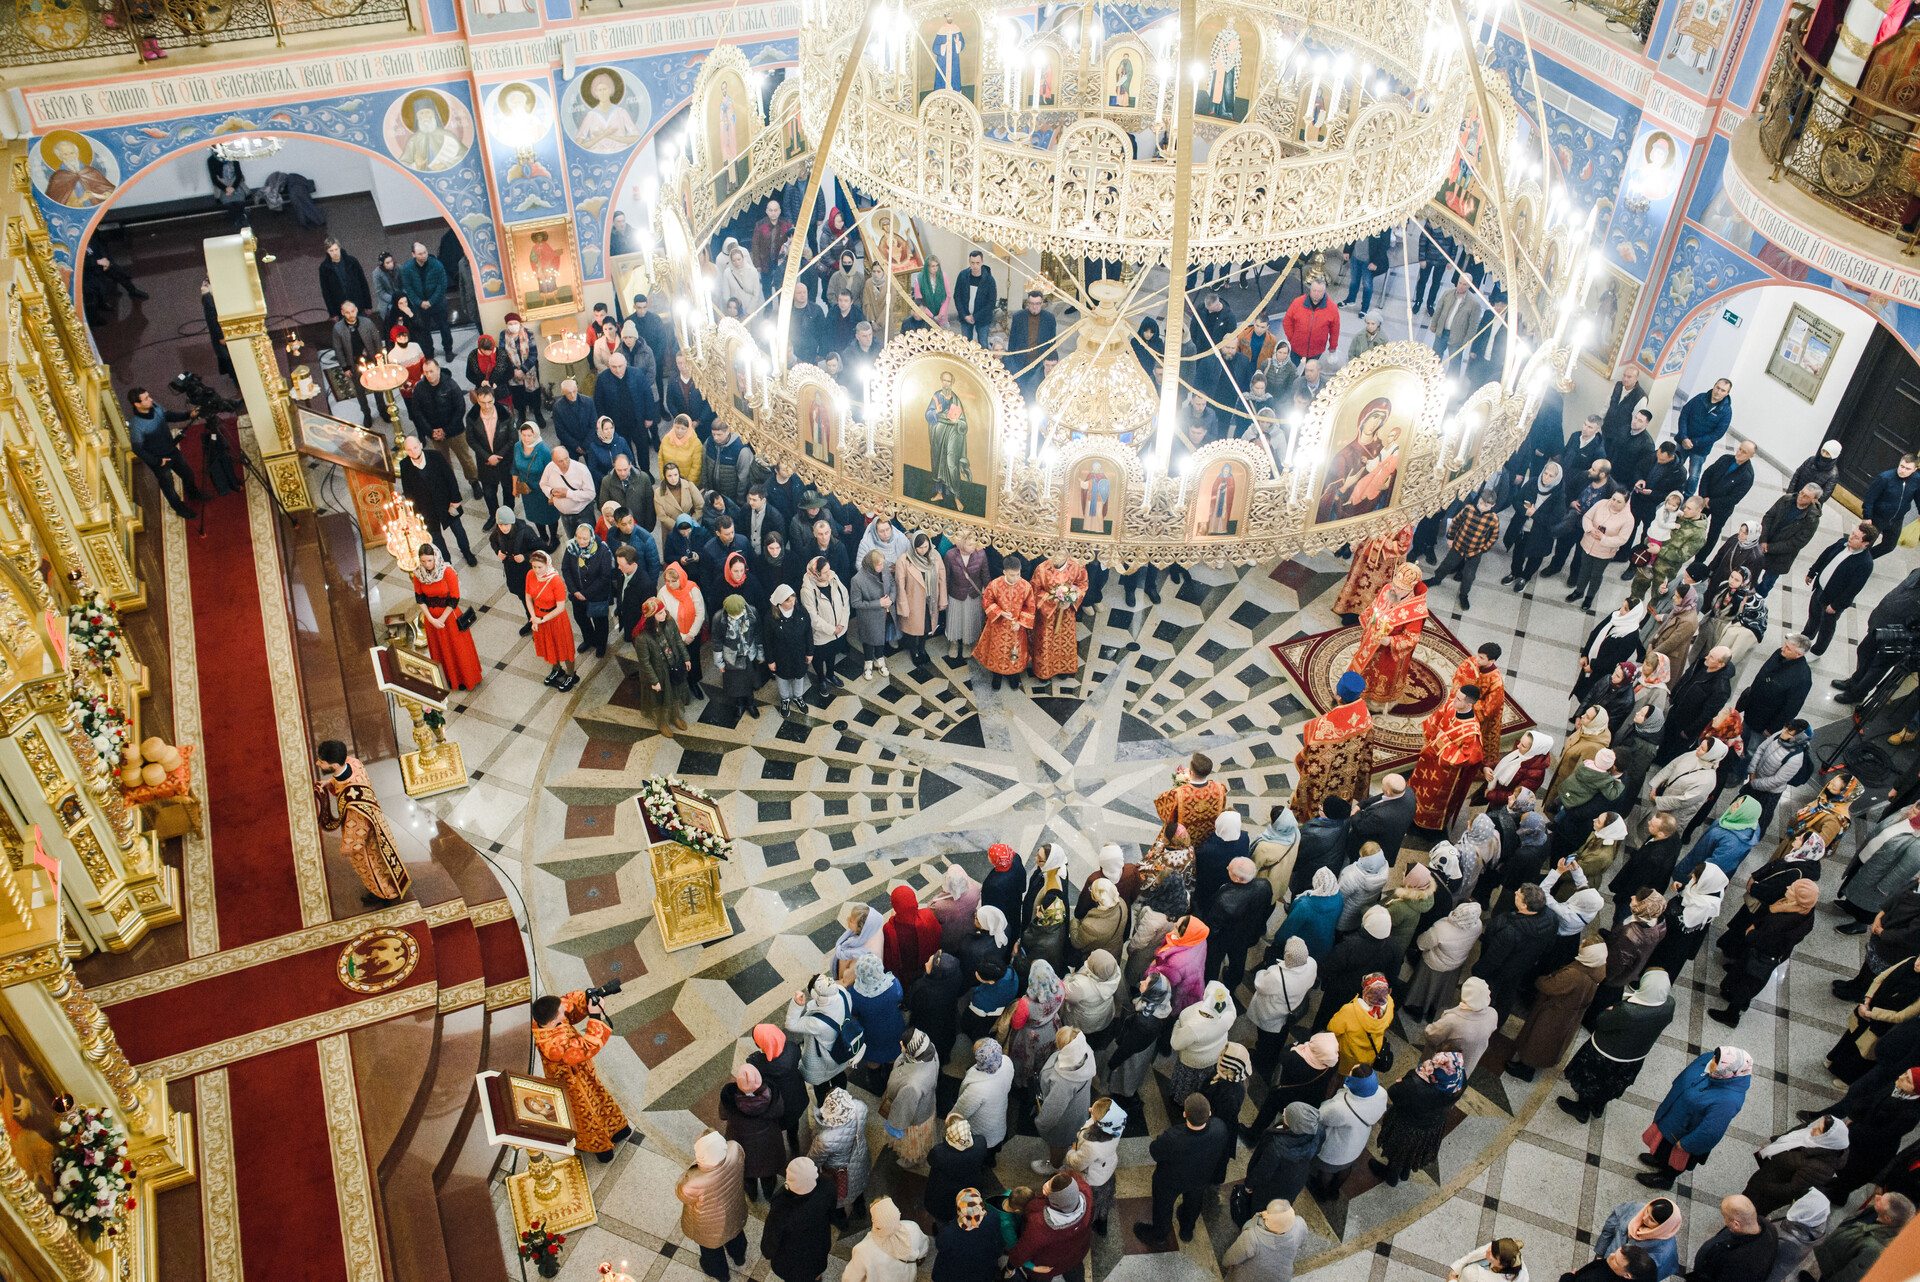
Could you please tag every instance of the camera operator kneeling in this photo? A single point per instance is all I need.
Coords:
(566, 1056)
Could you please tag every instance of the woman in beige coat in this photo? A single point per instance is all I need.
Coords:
(674, 496)
(1466, 1028)
(713, 1194)
(1590, 734)
(920, 593)
(1105, 924)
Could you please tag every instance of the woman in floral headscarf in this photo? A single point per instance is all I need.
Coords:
(1652, 687)
(968, 1244)
(840, 1144)
(1416, 1119)
(1139, 1040)
(1005, 887)
(907, 1107)
(1096, 1155)
(1362, 1024)
(1827, 816)
(956, 1162)
(1764, 946)
(1171, 854)
(1033, 1041)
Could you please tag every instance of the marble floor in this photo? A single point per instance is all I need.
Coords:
(887, 782)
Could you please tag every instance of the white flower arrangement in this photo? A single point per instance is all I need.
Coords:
(103, 724)
(93, 631)
(657, 803)
(93, 1178)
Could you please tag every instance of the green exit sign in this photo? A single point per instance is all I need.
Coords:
(1731, 317)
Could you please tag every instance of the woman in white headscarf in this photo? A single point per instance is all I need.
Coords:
(863, 932)
(1608, 1063)
(1796, 1162)
(1104, 925)
(1524, 766)
(1801, 1229)
(1444, 948)
(890, 1252)
(1591, 733)
(1198, 1036)
(1092, 988)
(1465, 1028)
(1064, 1095)
(1689, 913)
(1274, 849)
(1279, 991)
(1049, 898)
(954, 904)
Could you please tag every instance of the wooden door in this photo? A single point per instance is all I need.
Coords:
(1879, 417)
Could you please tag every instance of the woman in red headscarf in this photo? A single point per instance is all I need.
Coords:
(1005, 887)
(911, 935)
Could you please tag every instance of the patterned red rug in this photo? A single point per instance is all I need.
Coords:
(1315, 663)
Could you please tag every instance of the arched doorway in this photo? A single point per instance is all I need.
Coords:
(157, 217)
(1808, 364)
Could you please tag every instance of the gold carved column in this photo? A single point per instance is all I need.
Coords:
(235, 276)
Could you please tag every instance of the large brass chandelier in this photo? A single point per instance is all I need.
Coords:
(1222, 133)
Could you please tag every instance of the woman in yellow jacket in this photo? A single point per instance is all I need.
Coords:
(1361, 1025)
(681, 446)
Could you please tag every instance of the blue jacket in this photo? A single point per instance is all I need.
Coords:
(882, 1021)
(1698, 1109)
(598, 454)
(1613, 1236)
(628, 401)
(641, 541)
(426, 284)
(1703, 423)
(1722, 847)
(573, 423)
(1313, 918)
(1889, 497)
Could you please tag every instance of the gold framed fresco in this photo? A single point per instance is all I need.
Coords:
(1356, 446)
(1228, 48)
(891, 238)
(820, 418)
(946, 54)
(946, 424)
(1610, 301)
(784, 111)
(1043, 88)
(542, 269)
(27, 1094)
(1123, 78)
(729, 123)
(1093, 496)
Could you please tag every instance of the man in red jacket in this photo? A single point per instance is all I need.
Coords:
(1058, 1230)
(1312, 323)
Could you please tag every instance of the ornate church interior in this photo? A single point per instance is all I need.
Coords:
(958, 640)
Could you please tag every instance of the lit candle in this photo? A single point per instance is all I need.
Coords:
(1160, 93)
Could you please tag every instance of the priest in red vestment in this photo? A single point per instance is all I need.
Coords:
(1482, 669)
(1008, 604)
(366, 839)
(1195, 800)
(1448, 765)
(1374, 561)
(1059, 586)
(1388, 634)
(1336, 752)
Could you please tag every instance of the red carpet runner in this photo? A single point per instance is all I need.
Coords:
(254, 887)
(283, 1167)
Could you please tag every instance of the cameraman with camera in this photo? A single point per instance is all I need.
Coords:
(566, 1057)
(159, 449)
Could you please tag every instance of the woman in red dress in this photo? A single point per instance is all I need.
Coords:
(552, 629)
(437, 588)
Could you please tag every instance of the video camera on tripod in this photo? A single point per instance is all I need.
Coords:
(207, 403)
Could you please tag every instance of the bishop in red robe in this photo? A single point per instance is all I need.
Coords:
(1449, 763)
(1336, 752)
(1388, 634)
(1374, 561)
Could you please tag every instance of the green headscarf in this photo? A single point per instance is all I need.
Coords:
(1744, 813)
(735, 605)
(933, 289)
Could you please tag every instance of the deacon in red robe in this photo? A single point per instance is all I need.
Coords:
(1449, 763)
(1336, 752)
(1388, 634)
(1008, 604)
(1059, 587)
(1374, 561)
(1482, 669)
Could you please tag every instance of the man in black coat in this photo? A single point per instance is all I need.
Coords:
(439, 411)
(806, 327)
(1899, 606)
(514, 541)
(1836, 577)
(683, 396)
(1384, 818)
(1696, 701)
(1788, 526)
(1724, 483)
(1776, 692)
(625, 395)
(427, 478)
(492, 447)
(1030, 336)
(1582, 448)
(975, 295)
(1627, 397)
(1240, 911)
(1513, 944)
(631, 592)
(1184, 1157)
(1742, 1251)
(343, 281)
(1537, 516)
(1323, 844)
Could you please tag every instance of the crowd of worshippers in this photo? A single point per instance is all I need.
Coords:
(1323, 994)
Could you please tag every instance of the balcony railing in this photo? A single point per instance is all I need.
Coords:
(1627, 15)
(43, 31)
(1845, 149)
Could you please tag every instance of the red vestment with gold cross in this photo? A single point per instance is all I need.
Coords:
(1335, 759)
(1446, 770)
(1388, 633)
(1492, 704)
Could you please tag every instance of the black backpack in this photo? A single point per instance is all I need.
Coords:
(849, 1038)
(1805, 771)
